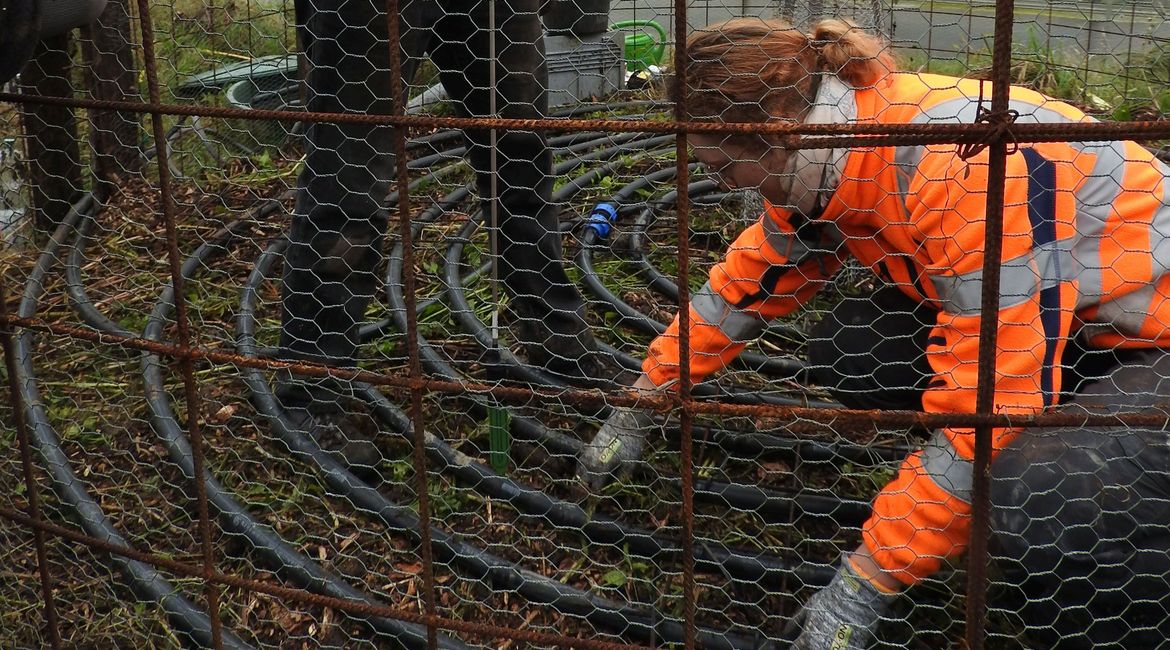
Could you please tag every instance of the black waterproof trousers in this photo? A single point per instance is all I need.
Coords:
(1080, 516)
(335, 243)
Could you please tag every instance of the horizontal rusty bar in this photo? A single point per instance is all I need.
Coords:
(834, 135)
(844, 418)
(309, 598)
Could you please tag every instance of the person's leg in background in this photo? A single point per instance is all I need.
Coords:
(335, 241)
(1081, 516)
(550, 312)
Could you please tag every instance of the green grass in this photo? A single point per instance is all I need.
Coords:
(193, 36)
(1119, 87)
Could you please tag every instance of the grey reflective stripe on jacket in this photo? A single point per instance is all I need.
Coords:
(1051, 263)
(788, 244)
(744, 325)
(950, 471)
(1020, 280)
(739, 325)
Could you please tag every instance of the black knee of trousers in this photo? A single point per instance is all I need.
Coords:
(870, 352)
(1079, 528)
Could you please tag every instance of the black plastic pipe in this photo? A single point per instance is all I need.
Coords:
(188, 620)
(475, 563)
(736, 563)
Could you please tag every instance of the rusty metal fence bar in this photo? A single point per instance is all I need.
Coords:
(686, 415)
(191, 396)
(988, 325)
(834, 135)
(996, 132)
(851, 419)
(414, 366)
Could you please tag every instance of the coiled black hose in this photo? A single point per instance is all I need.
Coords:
(279, 556)
(634, 622)
(475, 563)
(188, 620)
(769, 501)
(752, 497)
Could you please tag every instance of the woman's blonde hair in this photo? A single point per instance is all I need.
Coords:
(754, 70)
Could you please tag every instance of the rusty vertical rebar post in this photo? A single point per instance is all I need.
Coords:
(182, 324)
(967, 44)
(988, 323)
(34, 494)
(1128, 52)
(929, 33)
(398, 104)
(1051, 14)
(1088, 45)
(686, 416)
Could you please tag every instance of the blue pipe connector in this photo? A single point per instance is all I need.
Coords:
(602, 218)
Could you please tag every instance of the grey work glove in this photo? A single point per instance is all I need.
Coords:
(843, 615)
(616, 447)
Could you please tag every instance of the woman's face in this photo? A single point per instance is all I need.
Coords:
(739, 165)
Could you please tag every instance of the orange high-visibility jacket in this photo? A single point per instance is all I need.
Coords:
(1086, 249)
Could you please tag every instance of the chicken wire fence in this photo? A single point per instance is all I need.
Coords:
(206, 274)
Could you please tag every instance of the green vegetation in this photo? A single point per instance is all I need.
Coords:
(1122, 87)
(193, 36)
(93, 394)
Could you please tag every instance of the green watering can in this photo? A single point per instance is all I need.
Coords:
(642, 50)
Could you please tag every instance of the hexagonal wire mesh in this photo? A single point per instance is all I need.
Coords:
(862, 274)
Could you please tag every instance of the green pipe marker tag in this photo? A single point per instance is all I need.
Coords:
(499, 438)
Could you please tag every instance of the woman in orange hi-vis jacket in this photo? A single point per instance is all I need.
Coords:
(1080, 516)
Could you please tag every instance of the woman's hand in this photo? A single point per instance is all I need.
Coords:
(845, 614)
(618, 445)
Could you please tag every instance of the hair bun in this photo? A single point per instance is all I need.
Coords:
(857, 57)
